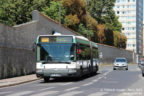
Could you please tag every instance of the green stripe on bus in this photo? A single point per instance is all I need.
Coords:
(82, 41)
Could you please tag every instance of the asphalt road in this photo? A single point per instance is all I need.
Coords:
(106, 83)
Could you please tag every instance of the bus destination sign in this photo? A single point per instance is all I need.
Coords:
(56, 39)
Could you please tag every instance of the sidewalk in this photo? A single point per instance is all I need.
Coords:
(17, 80)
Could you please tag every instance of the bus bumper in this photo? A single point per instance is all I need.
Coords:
(57, 73)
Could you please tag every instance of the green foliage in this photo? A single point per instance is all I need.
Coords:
(119, 40)
(53, 11)
(72, 21)
(19, 11)
(82, 30)
(77, 9)
(78, 18)
(102, 11)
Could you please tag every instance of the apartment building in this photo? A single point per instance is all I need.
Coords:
(130, 13)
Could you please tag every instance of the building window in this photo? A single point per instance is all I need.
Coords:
(118, 1)
(117, 12)
(117, 6)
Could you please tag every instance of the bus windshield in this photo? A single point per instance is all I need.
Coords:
(56, 52)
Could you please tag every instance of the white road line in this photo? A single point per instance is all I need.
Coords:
(47, 88)
(71, 93)
(45, 93)
(67, 83)
(20, 93)
(96, 80)
(98, 94)
(88, 84)
(5, 92)
(73, 88)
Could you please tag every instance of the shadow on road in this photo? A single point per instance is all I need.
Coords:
(69, 79)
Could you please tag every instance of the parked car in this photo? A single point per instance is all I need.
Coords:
(120, 63)
(141, 65)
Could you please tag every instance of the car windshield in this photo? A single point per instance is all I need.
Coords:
(120, 60)
(54, 52)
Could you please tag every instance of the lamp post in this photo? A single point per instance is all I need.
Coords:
(60, 13)
(87, 16)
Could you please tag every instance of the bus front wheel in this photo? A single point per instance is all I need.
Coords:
(46, 79)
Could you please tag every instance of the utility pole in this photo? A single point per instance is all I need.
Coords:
(87, 16)
(60, 13)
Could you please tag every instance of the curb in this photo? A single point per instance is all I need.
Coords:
(14, 84)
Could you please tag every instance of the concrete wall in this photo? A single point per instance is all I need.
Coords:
(16, 44)
(16, 55)
(109, 54)
(16, 62)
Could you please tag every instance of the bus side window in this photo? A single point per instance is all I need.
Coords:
(95, 53)
(83, 52)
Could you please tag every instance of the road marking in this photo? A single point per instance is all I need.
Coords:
(45, 93)
(67, 83)
(70, 89)
(5, 92)
(88, 84)
(20, 93)
(96, 80)
(47, 88)
(98, 94)
(71, 93)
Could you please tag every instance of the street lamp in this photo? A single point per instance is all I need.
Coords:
(60, 13)
(87, 16)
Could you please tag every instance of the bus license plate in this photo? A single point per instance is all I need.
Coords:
(55, 75)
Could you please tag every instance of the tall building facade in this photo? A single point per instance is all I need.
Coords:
(143, 38)
(130, 13)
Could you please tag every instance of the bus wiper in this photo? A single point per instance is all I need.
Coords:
(64, 62)
(44, 62)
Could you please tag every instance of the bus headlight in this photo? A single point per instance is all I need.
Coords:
(39, 71)
(72, 70)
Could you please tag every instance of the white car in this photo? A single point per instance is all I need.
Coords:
(120, 63)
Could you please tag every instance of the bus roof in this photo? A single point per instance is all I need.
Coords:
(76, 39)
(94, 44)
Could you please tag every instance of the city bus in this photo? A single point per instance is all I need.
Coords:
(65, 56)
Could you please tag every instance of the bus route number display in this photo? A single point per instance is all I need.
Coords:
(56, 39)
(44, 39)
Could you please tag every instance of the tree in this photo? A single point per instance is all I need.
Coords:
(102, 11)
(53, 11)
(119, 40)
(75, 8)
(101, 34)
(82, 30)
(19, 11)
(109, 35)
(72, 20)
